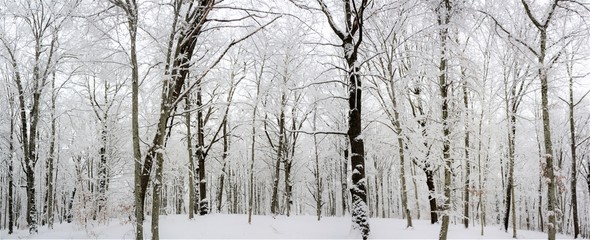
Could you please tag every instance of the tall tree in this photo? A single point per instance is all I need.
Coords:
(443, 10)
(130, 7)
(10, 163)
(49, 201)
(352, 37)
(515, 86)
(542, 25)
(573, 143)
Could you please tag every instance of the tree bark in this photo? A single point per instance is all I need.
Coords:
(274, 206)
(51, 158)
(130, 7)
(157, 195)
(574, 176)
(351, 38)
(10, 167)
(203, 201)
(443, 19)
(344, 178)
(547, 158)
(224, 160)
(191, 161)
(467, 186)
(252, 146)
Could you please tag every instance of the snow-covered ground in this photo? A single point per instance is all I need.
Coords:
(222, 226)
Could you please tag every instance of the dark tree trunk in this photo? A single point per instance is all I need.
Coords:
(191, 161)
(444, 16)
(69, 215)
(467, 160)
(351, 38)
(344, 179)
(224, 160)
(10, 170)
(574, 175)
(31, 208)
(157, 195)
(274, 206)
(288, 185)
(431, 197)
(357, 146)
(179, 195)
(102, 178)
(48, 201)
(203, 201)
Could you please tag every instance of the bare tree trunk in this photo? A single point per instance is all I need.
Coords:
(574, 175)
(319, 202)
(443, 18)
(252, 147)
(51, 158)
(344, 178)
(102, 172)
(130, 7)
(191, 161)
(547, 158)
(224, 160)
(288, 184)
(402, 176)
(480, 182)
(157, 195)
(203, 201)
(274, 206)
(352, 37)
(467, 186)
(416, 198)
(10, 167)
(425, 165)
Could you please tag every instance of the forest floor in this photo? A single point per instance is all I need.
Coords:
(224, 226)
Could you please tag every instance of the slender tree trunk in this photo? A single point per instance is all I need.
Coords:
(316, 172)
(480, 192)
(288, 184)
(401, 146)
(402, 176)
(102, 174)
(513, 215)
(467, 186)
(548, 157)
(416, 198)
(224, 160)
(574, 176)
(203, 201)
(274, 206)
(253, 150)
(344, 178)
(510, 182)
(51, 158)
(139, 203)
(443, 21)
(10, 168)
(131, 10)
(425, 165)
(157, 195)
(191, 161)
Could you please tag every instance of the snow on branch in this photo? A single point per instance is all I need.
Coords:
(227, 48)
(317, 132)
